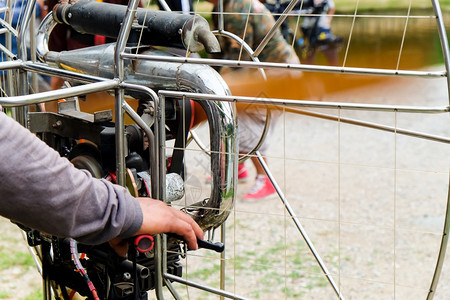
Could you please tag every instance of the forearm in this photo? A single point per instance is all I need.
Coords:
(41, 190)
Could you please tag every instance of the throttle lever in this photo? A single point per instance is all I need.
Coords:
(218, 246)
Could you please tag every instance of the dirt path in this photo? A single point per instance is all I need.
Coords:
(371, 202)
(18, 276)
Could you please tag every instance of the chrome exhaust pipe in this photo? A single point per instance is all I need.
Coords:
(99, 61)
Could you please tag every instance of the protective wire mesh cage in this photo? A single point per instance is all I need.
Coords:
(322, 161)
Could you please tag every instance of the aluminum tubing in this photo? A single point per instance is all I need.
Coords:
(195, 78)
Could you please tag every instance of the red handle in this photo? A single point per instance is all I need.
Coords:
(144, 243)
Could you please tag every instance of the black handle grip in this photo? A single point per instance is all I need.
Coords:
(218, 247)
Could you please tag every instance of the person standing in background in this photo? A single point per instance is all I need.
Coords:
(181, 6)
(277, 7)
(317, 28)
(252, 120)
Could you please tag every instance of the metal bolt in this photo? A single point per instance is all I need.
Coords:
(150, 110)
(57, 124)
(126, 276)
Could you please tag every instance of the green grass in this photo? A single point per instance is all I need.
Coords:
(206, 273)
(267, 266)
(292, 294)
(345, 6)
(37, 294)
(10, 259)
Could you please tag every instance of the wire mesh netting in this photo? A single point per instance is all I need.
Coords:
(341, 107)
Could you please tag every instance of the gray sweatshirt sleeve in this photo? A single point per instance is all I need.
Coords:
(44, 191)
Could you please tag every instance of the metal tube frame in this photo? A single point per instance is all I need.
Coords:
(299, 226)
(120, 157)
(161, 253)
(336, 105)
(446, 227)
(37, 98)
(204, 288)
(121, 107)
(311, 104)
(21, 112)
(119, 93)
(299, 67)
(277, 24)
(246, 47)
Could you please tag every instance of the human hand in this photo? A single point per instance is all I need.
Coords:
(158, 218)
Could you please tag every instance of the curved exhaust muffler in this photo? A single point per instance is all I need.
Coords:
(99, 61)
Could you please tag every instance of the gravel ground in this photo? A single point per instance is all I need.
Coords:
(19, 278)
(371, 202)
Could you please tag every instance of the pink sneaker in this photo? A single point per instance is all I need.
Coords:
(242, 173)
(261, 189)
